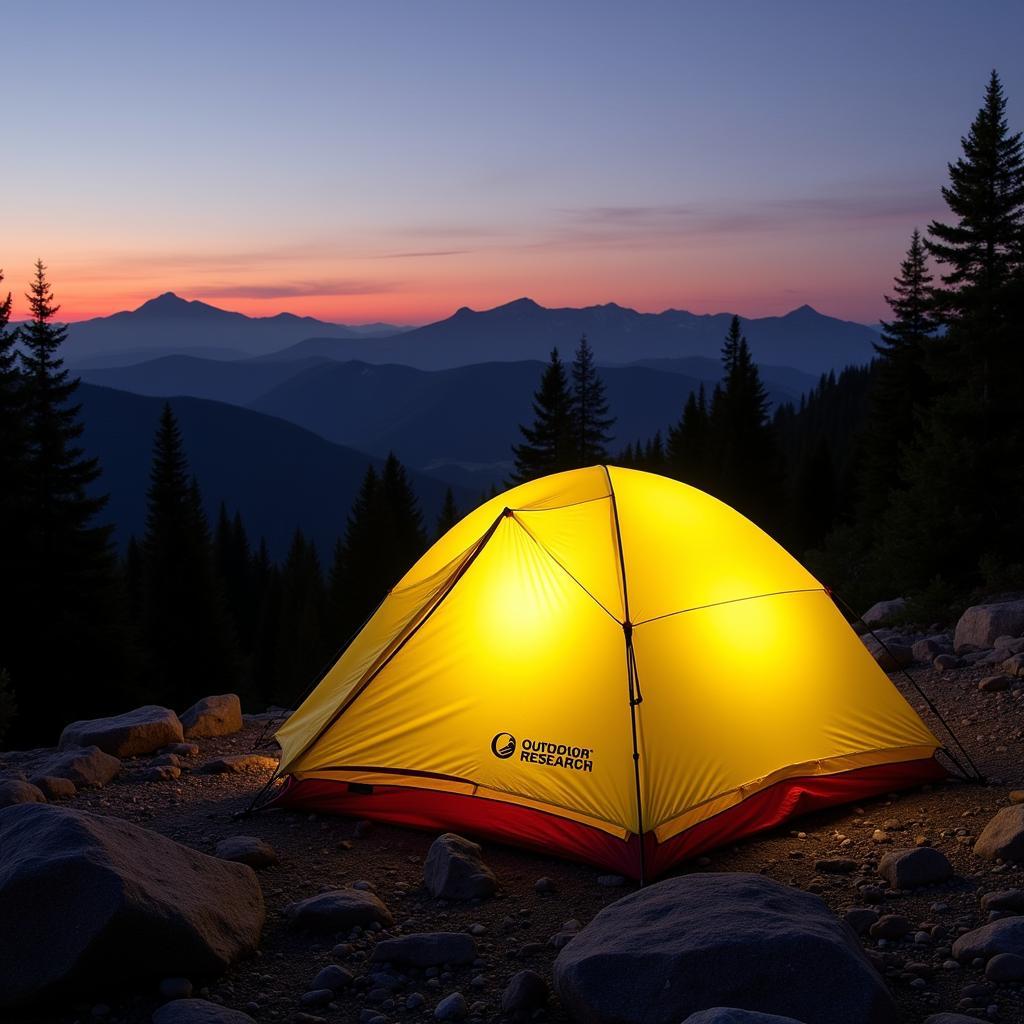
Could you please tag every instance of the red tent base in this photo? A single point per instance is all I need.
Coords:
(549, 834)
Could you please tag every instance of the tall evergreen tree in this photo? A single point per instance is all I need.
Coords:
(73, 644)
(900, 384)
(588, 411)
(402, 521)
(13, 443)
(186, 628)
(687, 455)
(746, 471)
(547, 444)
(448, 516)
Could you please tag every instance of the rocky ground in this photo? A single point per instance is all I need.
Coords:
(514, 928)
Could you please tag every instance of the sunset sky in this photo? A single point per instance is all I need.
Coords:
(395, 160)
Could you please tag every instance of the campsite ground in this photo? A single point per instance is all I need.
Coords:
(319, 853)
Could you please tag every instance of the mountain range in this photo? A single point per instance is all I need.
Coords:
(278, 475)
(458, 424)
(803, 339)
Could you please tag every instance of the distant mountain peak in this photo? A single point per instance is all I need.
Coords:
(522, 305)
(804, 310)
(170, 305)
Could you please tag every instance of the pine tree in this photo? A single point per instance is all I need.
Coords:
(687, 455)
(448, 516)
(745, 468)
(64, 638)
(357, 583)
(900, 384)
(588, 410)
(187, 631)
(547, 444)
(13, 446)
(303, 643)
(402, 521)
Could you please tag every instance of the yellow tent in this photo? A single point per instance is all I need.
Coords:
(609, 665)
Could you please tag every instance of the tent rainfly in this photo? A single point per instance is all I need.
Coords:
(606, 665)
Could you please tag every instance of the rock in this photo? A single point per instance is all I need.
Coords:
(1006, 899)
(889, 655)
(165, 759)
(213, 716)
(731, 1015)
(908, 869)
(338, 911)
(1003, 936)
(1004, 967)
(835, 867)
(454, 870)
(945, 662)
(135, 732)
(199, 1011)
(860, 919)
(890, 926)
(426, 949)
(884, 611)
(333, 977)
(526, 992)
(54, 788)
(981, 624)
(1017, 796)
(544, 885)
(317, 997)
(181, 749)
(17, 791)
(247, 850)
(452, 1007)
(1014, 666)
(240, 763)
(155, 773)
(718, 938)
(994, 684)
(1003, 836)
(87, 767)
(928, 649)
(175, 988)
(121, 903)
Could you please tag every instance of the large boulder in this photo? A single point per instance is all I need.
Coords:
(980, 626)
(920, 865)
(1003, 836)
(85, 767)
(17, 791)
(96, 901)
(198, 1011)
(454, 870)
(338, 911)
(884, 611)
(129, 735)
(1005, 935)
(426, 949)
(213, 716)
(711, 940)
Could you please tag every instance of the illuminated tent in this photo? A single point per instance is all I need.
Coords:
(607, 665)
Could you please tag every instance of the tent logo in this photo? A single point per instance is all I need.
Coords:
(503, 745)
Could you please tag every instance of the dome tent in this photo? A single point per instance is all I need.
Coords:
(608, 665)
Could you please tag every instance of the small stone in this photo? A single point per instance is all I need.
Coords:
(338, 911)
(909, 869)
(995, 684)
(54, 788)
(333, 977)
(235, 763)
(247, 850)
(860, 919)
(544, 885)
(890, 926)
(1003, 837)
(525, 993)
(452, 1007)
(1004, 967)
(454, 870)
(317, 997)
(17, 791)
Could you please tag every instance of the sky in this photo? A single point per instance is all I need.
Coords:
(397, 160)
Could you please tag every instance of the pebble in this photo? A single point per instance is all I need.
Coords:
(452, 1007)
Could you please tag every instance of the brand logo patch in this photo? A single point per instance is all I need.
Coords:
(503, 745)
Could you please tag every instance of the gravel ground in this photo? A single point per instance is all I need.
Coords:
(513, 928)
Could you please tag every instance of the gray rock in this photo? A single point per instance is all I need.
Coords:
(1006, 899)
(1003, 936)
(122, 904)
(452, 1007)
(333, 977)
(1014, 666)
(86, 767)
(17, 791)
(181, 749)
(995, 684)
(718, 939)
(54, 788)
(426, 949)
(1003, 836)
(155, 773)
(317, 997)
(946, 662)
(338, 911)
(908, 869)
(1005, 967)
(884, 611)
(213, 716)
(166, 758)
(890, 654)
(234, 763)
(980, 625)
(731, 1015)
(860, 919)
(199, 1011)
(249, 850)
(890, 926)
(526, 992)
(129, 735)
(929, 648)
(454, 870)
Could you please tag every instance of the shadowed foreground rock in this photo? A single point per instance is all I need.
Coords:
(730, 1015)
(213, 716)
(339, 911)
(712, 940)
(96, 901)
(454, 870)
(1003, 836)
(135, 732)
(198, 1011)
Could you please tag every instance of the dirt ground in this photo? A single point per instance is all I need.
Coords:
(321, 852)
